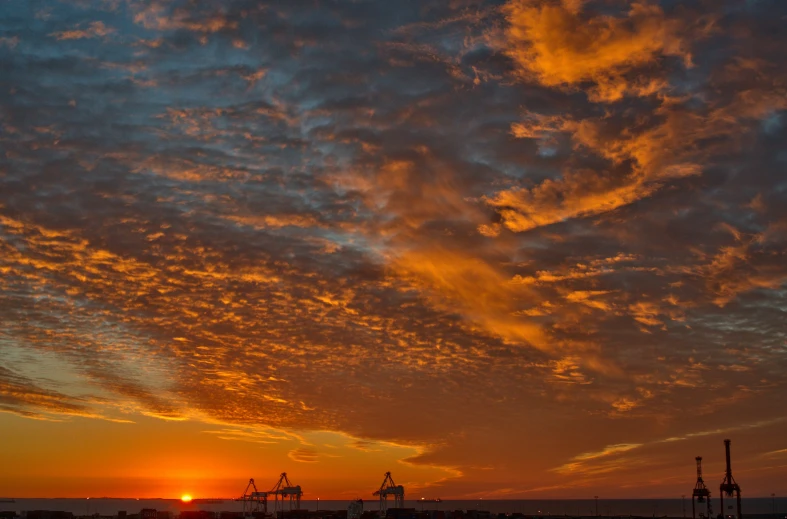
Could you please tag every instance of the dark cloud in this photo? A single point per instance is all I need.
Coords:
(20, 395)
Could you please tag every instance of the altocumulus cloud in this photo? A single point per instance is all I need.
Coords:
(551, 222)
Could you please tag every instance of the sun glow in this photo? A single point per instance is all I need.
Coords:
(185, 498)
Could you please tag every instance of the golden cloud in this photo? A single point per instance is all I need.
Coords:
(559, 45)
(454, 281)
(93, 30)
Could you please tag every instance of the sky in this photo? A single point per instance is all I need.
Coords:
(514, 249)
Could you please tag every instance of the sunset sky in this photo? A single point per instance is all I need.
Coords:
(522, 249)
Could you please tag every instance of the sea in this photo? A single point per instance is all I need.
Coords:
(765, 507)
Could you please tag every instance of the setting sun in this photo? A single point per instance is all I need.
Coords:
(185, 498)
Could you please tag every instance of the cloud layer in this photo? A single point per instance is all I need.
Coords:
(450, 228)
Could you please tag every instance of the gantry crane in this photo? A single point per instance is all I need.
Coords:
(389, 488)
(729, 486)
(253, 500)
(287, 491)
(700, 493)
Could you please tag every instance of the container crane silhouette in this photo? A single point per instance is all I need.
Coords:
(728, 485)
(700, 493)
(287, 491)
(389, 488)
(253, 500)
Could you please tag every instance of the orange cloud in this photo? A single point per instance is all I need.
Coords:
(161, 16)
(454, 281)
(749, 264)
(669, 142)
(303, 455)
(577, 194)
(588, 298)
(603, 461)
(93, 30)
(559, 45)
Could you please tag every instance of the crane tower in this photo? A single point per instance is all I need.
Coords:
(700, 493)
(253, 500)
(728, 485)
(389, 488)
(288, 492)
